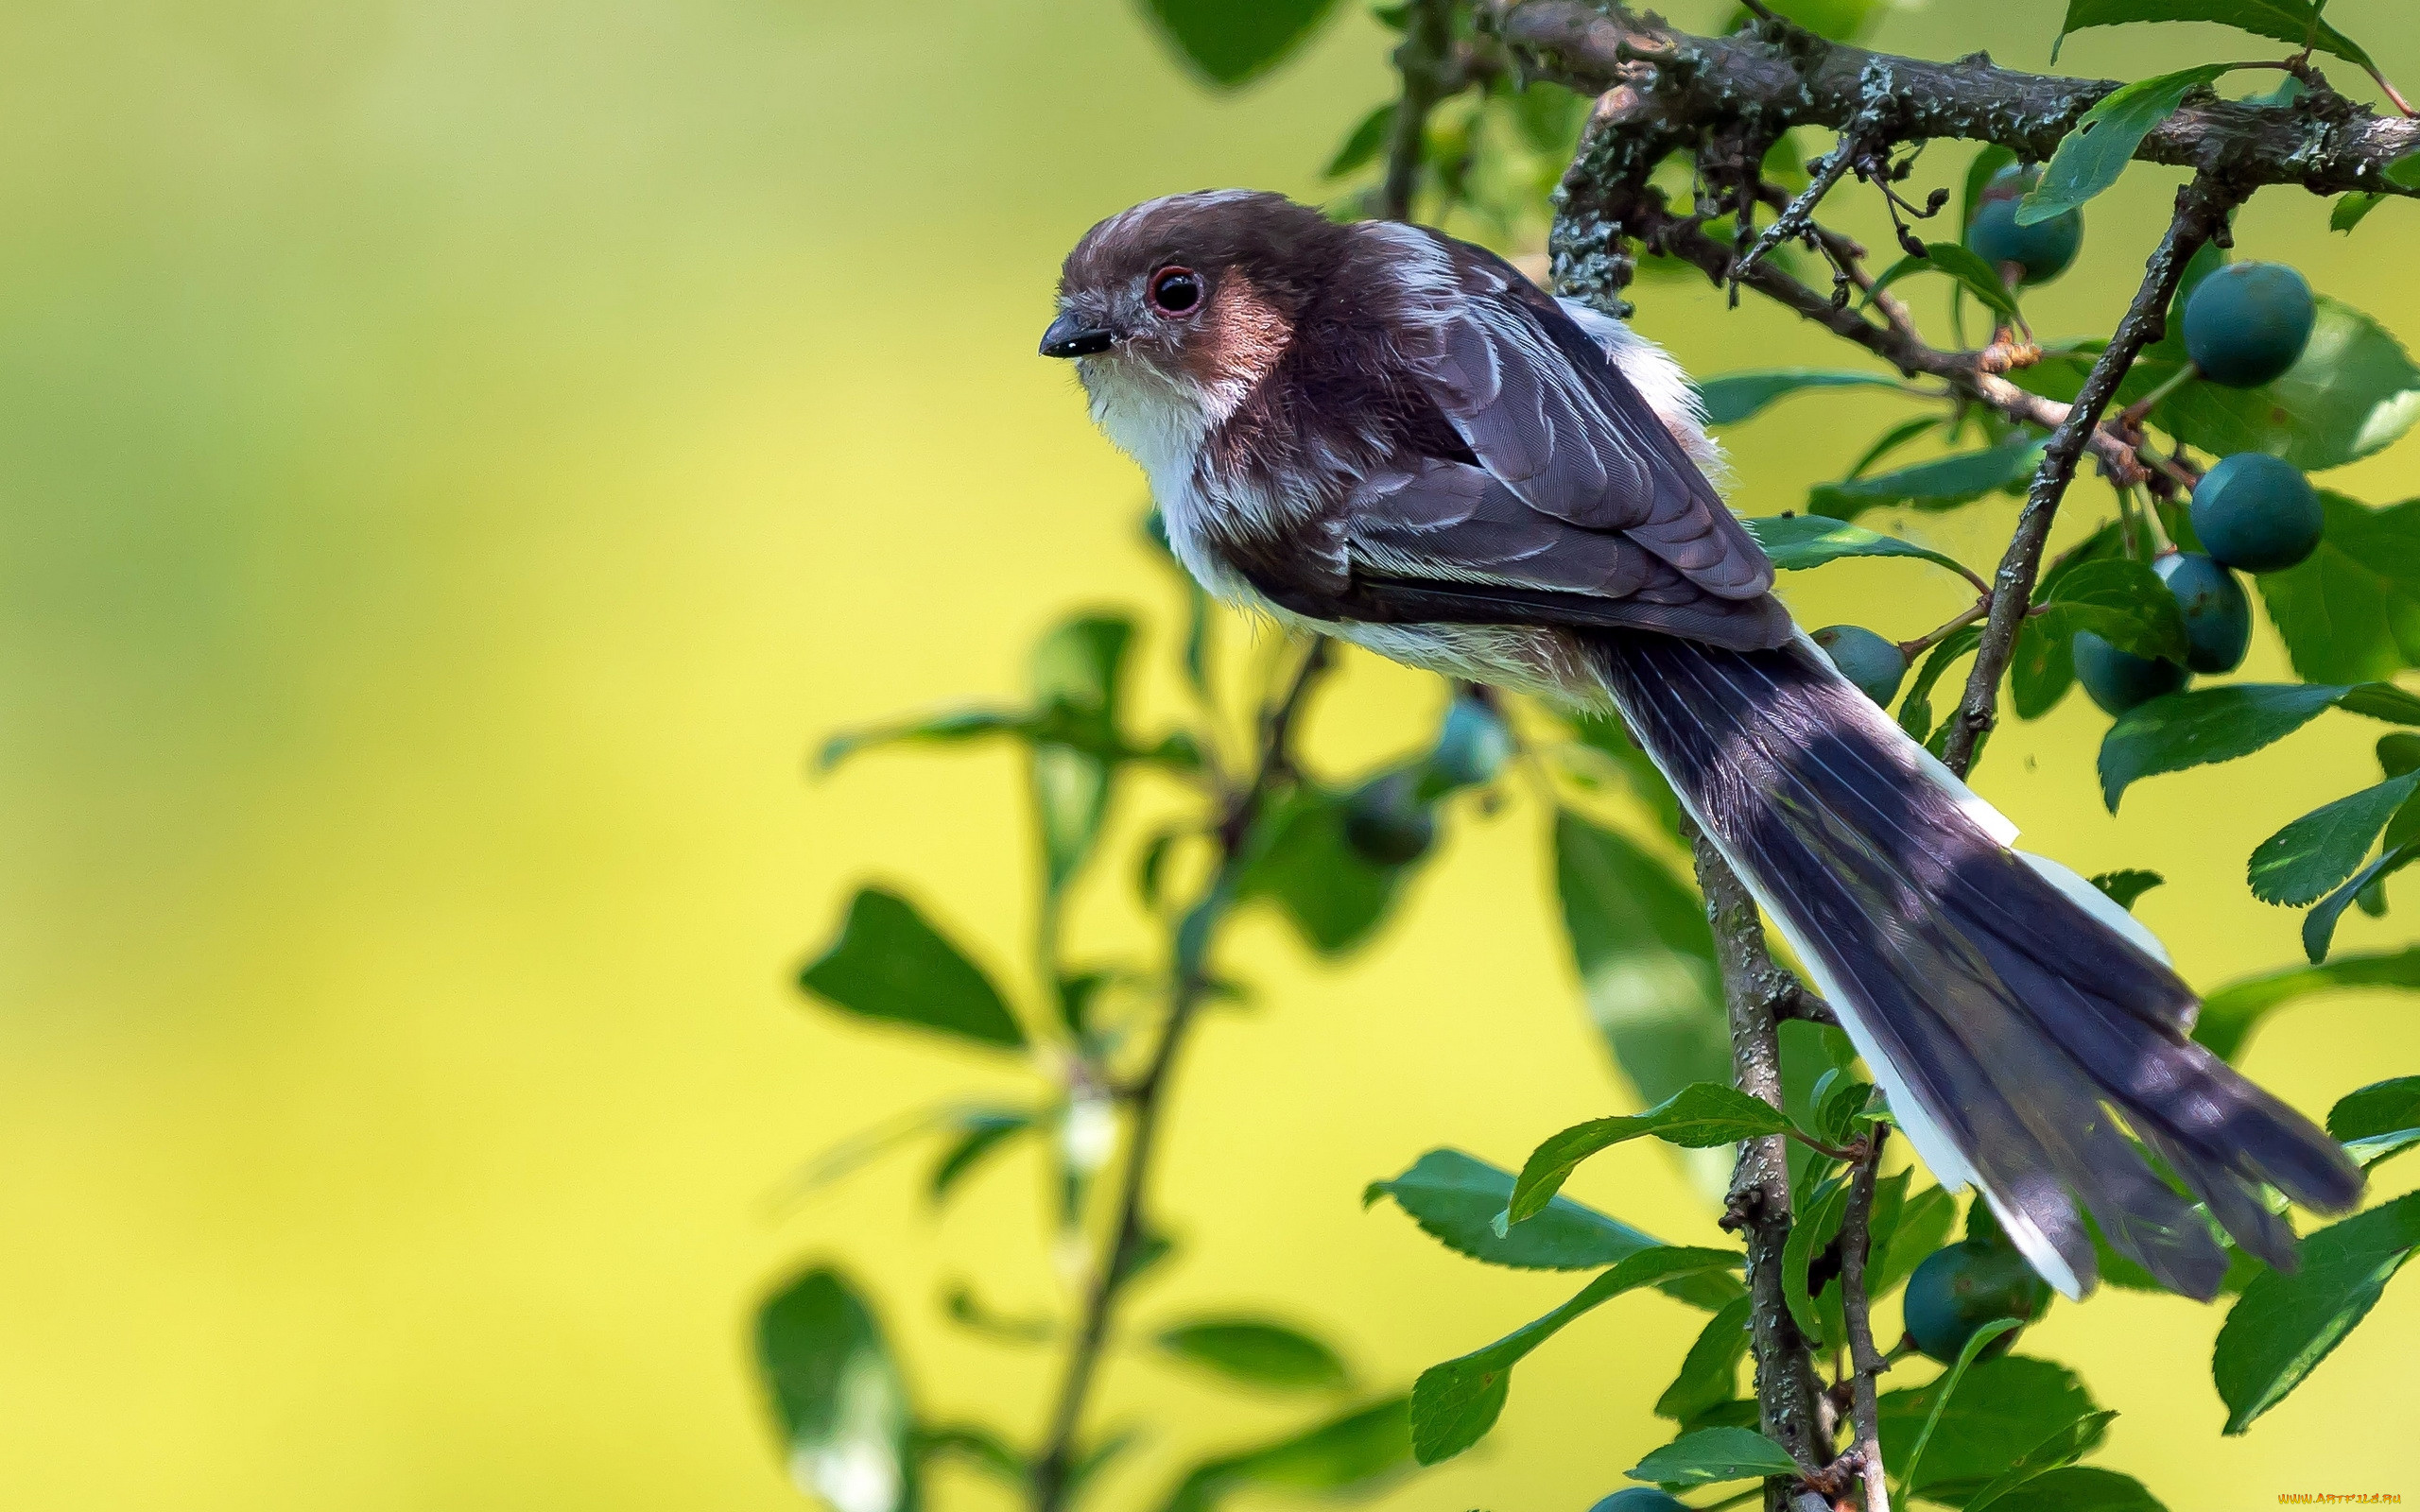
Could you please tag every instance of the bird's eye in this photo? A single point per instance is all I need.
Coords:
(1176, 290)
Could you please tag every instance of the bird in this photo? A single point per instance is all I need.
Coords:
(1373, 431)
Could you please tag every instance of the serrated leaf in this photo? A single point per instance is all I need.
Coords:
(1256, 1352)
(1455, 1198)
(2098, 147)
(1733, 396)
(1795, 543)
(2307, 859)
(1957, 1434)
(2080, 1488)
(1961, 262)
(2287, 21)
(2063, 1446)
(889, 964)
(1230, 43)
(1710, 1375)
(2319, 925)
(1940, 483)
(2283, 1326)
(846, 1425)
(2230, 1014)
(1645, 955)
(1713, 1455)
(1359, 1450)
(1454, 1404)
(2125, 887)
(2121, 601)
(2350, 612)
(2201, 726)
(1698, 1116)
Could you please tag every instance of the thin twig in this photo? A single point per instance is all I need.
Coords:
(1798, 215)
(1422, 59)
(1147, 1096)
(2201, 207)
(1865, 1361)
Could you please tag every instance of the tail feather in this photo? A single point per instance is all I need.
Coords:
(2026, 1045)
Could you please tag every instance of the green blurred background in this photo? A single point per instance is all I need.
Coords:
(458, 459)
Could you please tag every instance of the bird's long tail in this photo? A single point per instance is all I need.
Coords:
(2028, 1041)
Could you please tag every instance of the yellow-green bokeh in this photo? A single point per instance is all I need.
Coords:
(455, 461)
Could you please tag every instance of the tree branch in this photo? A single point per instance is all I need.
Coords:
(1865, 1361)
(1788, 1402)
(2202, 209)
(1425, 60)
(1147, 1096)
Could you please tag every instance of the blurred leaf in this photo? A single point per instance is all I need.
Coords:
(1367, 141)
(2284, 1326)
(1229, 42)
(1890, 440)
(941, 730)
(1549, 117)
(2121, 601)
(2205, 725)
(2098, 147)
(1604, 734)
(846, 1426)
(2230, 1014)
(1713, 1455)
(1915, 705)
(1351, 1453)
(1798, 542)
(1455, 1198)
(889, 964)
(964, 1308)
(2319, 925)
(1980, 171)
(1646, 961)
(2063, 1446)
(1299, 861)
(1076, 675)
(2302, 862)
(2125, 887)
(1454, 1404)
(1840, 20)
(1698, 1116)
(2287, 21)
(1977, 277)
(2350, 612)
(1940, 483)
(1256, 1352)
(2080, 1488)
(1710, 1375)
(1733, 396)
(978, 1446)
(2353, 393)
(1954, 1435)
(986, 1131)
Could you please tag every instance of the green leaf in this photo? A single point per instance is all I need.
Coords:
(1228, 43)
(1367, 141)
(1837, 1110)
(2096, 150)
(1798, 542)
(2065, 1446)
(2205, 725)
(1915, 705)
(2125, 887)
(1840, 20)
(1298, 860)
(1980, 169)
(1256, 1352)
(941, 730)
(1604, 735)
(836, 1396)
(2044, 668)
(1925, 1222)
(1977, 277)
(1735, 396)
(2382, 1107)
(1646, 962)
(1455, 1198)
(2307, 859)
(1956, 1434)
(2350, 612)
(1713, 1455)
(1076, 673)
(978, 1446)
(1710, 1375)
(1355, 1451)
(2284, 1326)
(2230, 1014)
(889, 964)
(2352, 209)
(2319, 925)
(1809, 1235)
(1698, 1116)
(2080, 1488)
(986, 1131)
(1940, 483)
(2121, 601)
(2287, 21)
(1454, 1404)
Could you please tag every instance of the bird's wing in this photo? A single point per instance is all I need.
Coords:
(1545, 411)
(1447, 542)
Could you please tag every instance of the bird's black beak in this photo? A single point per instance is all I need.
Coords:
(1068, 336)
